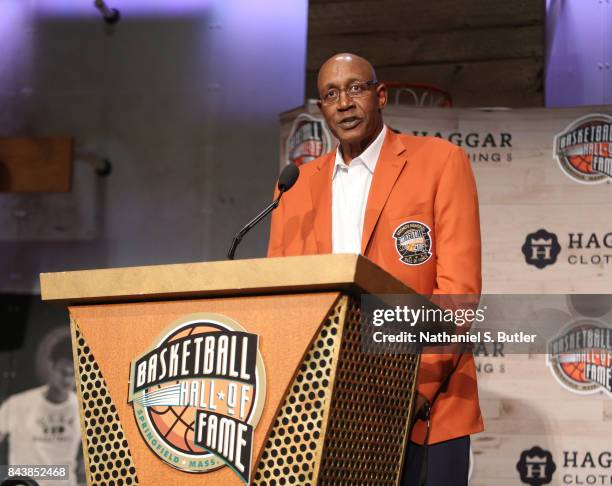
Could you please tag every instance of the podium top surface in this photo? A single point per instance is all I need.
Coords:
(315, 273)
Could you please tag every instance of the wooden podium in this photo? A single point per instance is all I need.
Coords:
(226, 372)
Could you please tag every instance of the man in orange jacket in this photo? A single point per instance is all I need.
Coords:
(371, 195)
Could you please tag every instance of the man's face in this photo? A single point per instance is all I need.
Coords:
(351, 120)
(62, 374)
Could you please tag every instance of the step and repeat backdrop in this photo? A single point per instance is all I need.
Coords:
(544, 182)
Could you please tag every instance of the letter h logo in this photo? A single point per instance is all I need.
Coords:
(536, 466)
(541, 248)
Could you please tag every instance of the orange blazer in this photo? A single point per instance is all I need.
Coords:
(428, 183)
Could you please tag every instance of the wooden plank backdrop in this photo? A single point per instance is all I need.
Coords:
(483, 52)
(37, 164)
(525, 190)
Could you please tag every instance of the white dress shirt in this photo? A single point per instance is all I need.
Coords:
(350, 189)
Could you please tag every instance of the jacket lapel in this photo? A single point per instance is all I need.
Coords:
(388, 168)
(321, 194)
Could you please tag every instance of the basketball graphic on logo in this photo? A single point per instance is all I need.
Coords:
(199, 390)
(574, 370)
(582, 163)
(574, 366)
(175, 425)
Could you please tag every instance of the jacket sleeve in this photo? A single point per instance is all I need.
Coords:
(457, 229)
(457, 240)
(275, 243)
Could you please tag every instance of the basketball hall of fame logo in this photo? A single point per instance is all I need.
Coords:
(308, 139)
(580, 356)
(584, 149)
(413, 242)
(198, 394)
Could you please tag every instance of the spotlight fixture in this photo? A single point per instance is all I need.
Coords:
(110, 15)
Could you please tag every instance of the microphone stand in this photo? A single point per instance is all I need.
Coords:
(238, 238)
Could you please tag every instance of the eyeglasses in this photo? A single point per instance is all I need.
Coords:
(356, 89)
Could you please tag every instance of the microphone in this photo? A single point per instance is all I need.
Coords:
(286, 181)
(287, 178)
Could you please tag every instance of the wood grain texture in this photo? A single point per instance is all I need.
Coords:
(482, 52)
(408, 48)
(525, 406)
(42, 164)
(346, 17)
(313, 273)
(509, 83)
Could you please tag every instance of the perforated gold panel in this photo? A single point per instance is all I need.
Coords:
(107, 456)
(294, 445)
(369, 413)
(345, 418)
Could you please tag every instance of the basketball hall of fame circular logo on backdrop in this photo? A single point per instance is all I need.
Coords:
(584, 149)
(580, 356)
(198, 394)
(308, 139)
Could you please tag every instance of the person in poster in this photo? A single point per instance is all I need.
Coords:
(41, 424)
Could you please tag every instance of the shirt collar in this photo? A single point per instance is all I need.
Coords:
(369, 157)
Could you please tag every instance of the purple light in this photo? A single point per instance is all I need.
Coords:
(259, 54)
(16, 41)
(576, 53)
(134, 8)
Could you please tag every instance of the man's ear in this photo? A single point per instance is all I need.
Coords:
(319, 105)
(381, 93)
